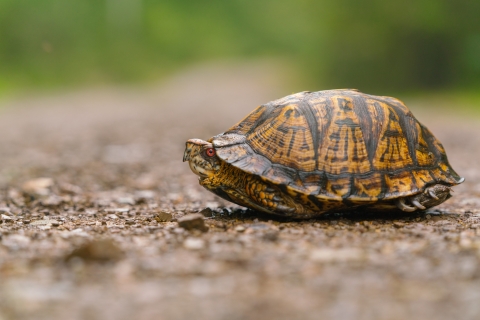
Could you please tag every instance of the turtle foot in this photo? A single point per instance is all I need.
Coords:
(432, 196)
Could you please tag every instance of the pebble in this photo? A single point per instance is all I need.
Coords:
(398, 224)
(5, 217)
(117, 210)
(194, 244)
(52, 201)
(207, 212)
(240, 228)
(99, 250)
(337, 255)
(193, 221)
(44, 222)
(163, 216)
(125, 200)
(144, 195)
(38, 187)
(271, 235)
(4, 210)
(70, 189)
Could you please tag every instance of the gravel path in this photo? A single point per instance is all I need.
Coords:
(96, 218)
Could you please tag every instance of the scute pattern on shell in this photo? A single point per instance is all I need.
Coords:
(338, 145)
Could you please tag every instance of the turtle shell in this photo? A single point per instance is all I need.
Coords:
(339, 145)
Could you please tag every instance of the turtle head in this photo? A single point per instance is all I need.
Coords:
(201, 157)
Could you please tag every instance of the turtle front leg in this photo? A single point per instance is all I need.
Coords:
(250, 191)
(432, 196)
(271, 199)
(259, 196)
(244, 200)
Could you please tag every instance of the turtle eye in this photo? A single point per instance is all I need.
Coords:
(210, 152)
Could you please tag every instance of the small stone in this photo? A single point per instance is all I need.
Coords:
(163, 216)
(398, 224)
(91, 212)
(146, 181)
(337, 255)
(117, 210)
(271, 235)
(240, 228)
(52, 201)
(207, 212)
(125, 200)
(38, 187)
(100, 250)
(5, 217)
(194, 244)
(16, 197)
(70, 189)
(178, 230)
(193, 221)
(44, 222)
(144, 195)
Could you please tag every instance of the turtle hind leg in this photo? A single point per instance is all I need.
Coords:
(432, 196)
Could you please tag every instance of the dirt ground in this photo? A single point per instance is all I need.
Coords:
(95, 218)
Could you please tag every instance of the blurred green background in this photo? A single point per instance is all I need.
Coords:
(375, 45)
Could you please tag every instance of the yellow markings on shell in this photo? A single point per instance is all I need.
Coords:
(338, 188)
(440, 175)
(425, 158)
(343, 148)
(392, 150)
(367, 188)
(400, 183)
(422, 177)
(424, 155)
(285, 140)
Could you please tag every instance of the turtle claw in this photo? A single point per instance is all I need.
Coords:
(404, 207)
(418, 204)
(432, 194)
(277, 198)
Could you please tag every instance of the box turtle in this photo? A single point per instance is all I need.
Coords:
(312, 153)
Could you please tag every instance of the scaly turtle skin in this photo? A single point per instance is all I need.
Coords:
(329, 151)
